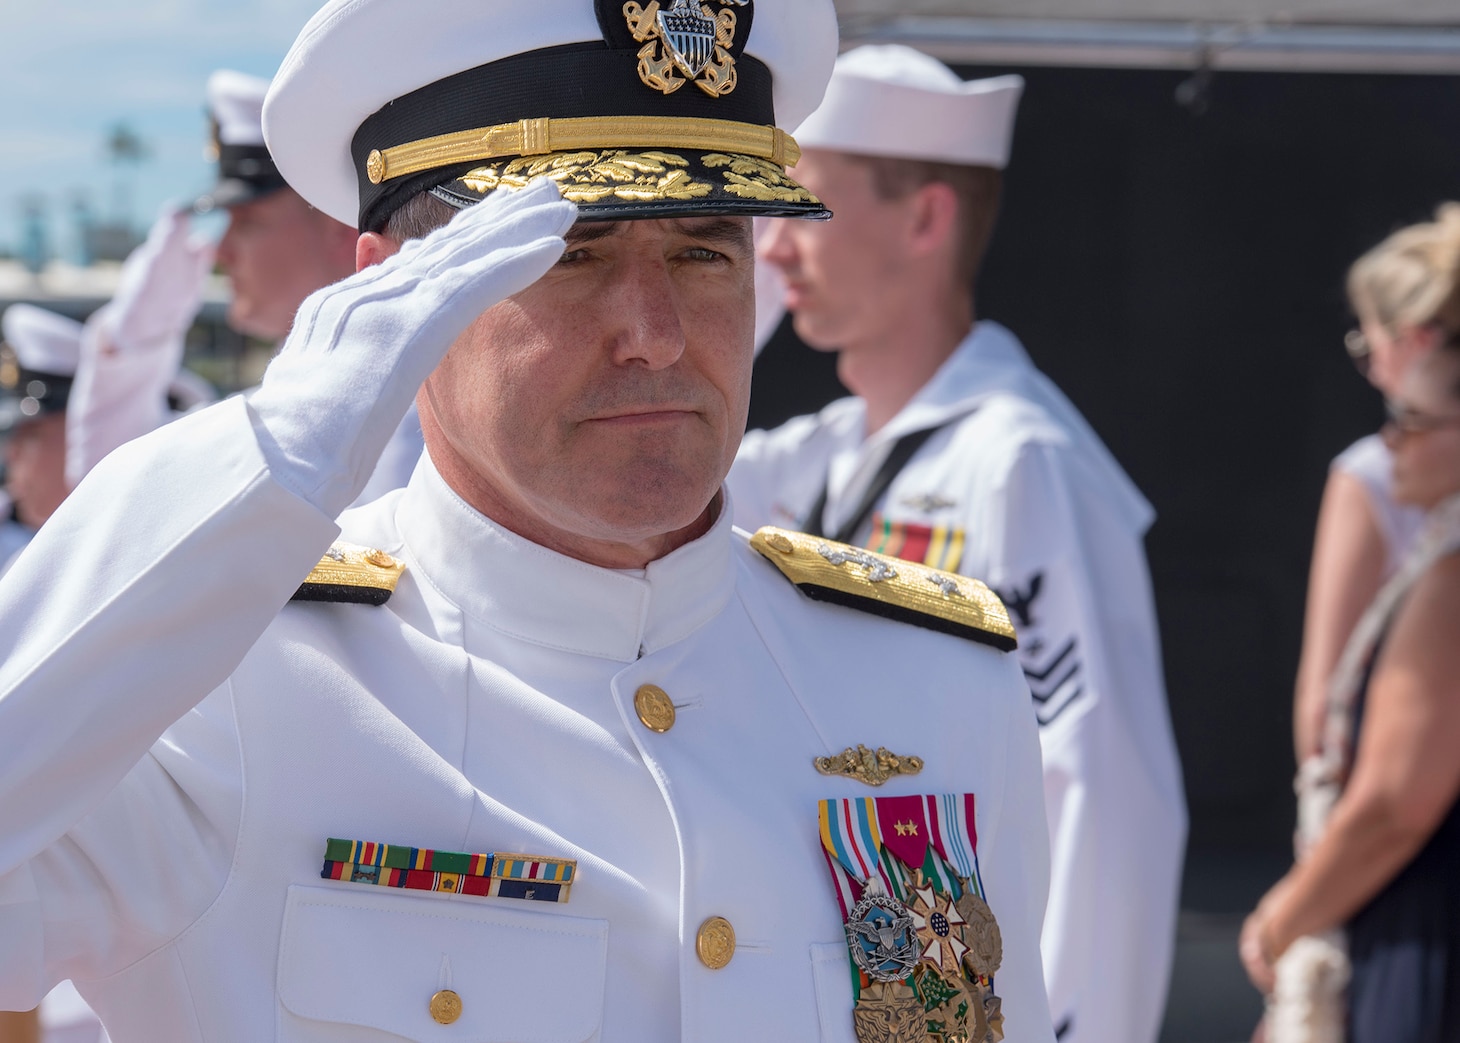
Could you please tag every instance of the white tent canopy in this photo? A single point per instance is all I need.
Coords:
(1391, 36)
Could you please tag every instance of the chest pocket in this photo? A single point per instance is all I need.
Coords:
(831, 973)
(352, 957)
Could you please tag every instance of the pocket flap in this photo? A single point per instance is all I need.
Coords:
(360, 957)
(832, 973)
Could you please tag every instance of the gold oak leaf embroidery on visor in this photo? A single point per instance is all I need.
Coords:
(753, 178)
(589, 177)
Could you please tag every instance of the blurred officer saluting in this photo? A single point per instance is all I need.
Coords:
(958, 453)
(546, 749)
(276, 251)
(278, 248)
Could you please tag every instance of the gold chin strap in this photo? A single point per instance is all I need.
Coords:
(538, 137)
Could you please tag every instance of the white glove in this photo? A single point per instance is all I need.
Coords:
(161, 286)
(132, 347)
(361, 349)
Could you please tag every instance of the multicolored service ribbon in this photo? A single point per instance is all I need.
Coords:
(533, 878)
(955, 835)
(937, 546)
(850, 835)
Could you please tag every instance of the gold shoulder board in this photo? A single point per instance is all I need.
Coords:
(352, 575)
(891, 587)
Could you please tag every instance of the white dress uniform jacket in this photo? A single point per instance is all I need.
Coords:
(162, 845)
(1016, 489)
(13, 539)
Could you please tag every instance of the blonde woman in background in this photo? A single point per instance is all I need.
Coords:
(1379, 824)
(1405, 293)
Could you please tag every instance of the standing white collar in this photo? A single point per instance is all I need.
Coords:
(526, 591)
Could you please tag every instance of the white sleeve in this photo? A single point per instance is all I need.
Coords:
(138, 598)
(778, 474)
(1079, 594)
(1014, 864)
(117, 396)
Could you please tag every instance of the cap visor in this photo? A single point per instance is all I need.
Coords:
(624, 185)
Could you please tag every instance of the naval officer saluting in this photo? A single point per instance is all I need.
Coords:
(547, 750)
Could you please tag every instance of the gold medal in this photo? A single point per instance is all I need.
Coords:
(993, 1006)
(981, 934)
(889, 1012)
(952, 1012)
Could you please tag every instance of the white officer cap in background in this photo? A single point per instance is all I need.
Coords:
(43, 341)
(665, 112)
(890, 100)
(246, 171)
(44, 350)
(236, 103)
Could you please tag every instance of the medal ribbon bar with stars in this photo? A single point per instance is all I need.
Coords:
(906, 835)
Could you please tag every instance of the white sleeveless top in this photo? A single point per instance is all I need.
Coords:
(1370, 461)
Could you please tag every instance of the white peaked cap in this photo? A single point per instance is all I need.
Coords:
(236, 102)
(890, 100)
(43, 341)
(355, 57)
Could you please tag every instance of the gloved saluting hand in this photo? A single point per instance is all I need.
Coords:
(361, 349)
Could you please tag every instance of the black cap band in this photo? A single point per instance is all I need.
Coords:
(251, 163)
(33, 395)
(573, 80)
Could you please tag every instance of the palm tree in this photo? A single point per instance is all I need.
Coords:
(124, 146)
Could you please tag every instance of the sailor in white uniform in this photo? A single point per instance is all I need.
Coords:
(958, 453)
(545, 749)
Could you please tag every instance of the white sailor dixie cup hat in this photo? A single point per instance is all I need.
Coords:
(39, 365)
(890, 100)
(246, 171)
(663, 108)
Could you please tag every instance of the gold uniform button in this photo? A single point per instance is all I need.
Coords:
(715, 942)
(655, 710)
(445, 1007)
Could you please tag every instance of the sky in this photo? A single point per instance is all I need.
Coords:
(70, 70)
